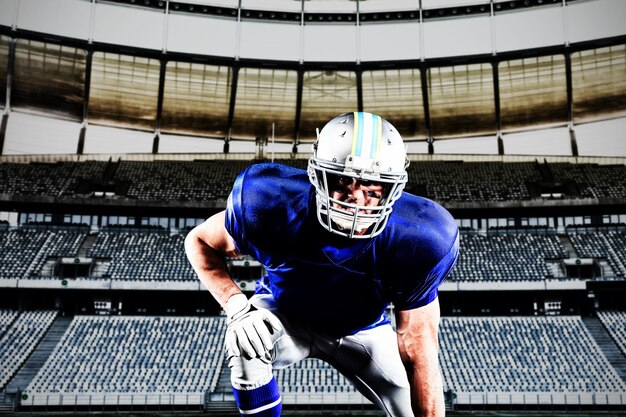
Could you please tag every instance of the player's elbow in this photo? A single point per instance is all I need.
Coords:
(192, 243)
(416, 352)
(419, 346)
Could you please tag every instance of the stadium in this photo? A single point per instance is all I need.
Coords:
(125, 122)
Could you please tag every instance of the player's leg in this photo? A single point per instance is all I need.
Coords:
(371, 361)
(255, 388)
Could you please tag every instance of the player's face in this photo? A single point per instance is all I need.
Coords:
(354, 191)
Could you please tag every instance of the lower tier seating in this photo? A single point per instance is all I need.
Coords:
(615, 323)
(135, 354)
(139, 354)
(523, 354)
(20, 338)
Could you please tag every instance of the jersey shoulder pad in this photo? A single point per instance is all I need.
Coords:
(421, 225)
(266, 203)
(423, 246)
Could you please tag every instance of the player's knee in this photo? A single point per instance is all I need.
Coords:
(248, 374)
(255, 389)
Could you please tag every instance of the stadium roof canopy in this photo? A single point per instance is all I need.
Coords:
(499, 77)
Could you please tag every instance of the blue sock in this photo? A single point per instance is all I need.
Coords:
(264, 401)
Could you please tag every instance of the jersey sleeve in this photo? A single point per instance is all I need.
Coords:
(427, 288)
(264, 208)
(424, 247)
(234, 221)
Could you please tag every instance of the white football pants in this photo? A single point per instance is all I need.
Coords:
(369, 359)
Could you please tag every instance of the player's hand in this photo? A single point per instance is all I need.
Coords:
(250, 329)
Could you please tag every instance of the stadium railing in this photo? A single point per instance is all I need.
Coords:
(111, 399)
(570, 400)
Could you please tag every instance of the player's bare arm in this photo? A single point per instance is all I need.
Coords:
(418, 343)
(205, 247)
(247, 333)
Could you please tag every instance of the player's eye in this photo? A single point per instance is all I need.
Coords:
(339, 181)
(374, 194)
(344, 180)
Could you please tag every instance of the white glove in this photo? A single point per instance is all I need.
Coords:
(250, 329)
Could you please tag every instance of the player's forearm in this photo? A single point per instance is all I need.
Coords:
(426, 391)
(210, 268)
(419, 349)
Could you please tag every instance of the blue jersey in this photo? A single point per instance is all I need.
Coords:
(334, 284)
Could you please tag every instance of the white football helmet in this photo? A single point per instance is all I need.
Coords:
(365, 147)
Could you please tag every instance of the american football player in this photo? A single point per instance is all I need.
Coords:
(339, 242)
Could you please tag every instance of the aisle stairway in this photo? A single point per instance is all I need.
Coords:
(608, 346)
(222, 403)
(39, 356)
(6, 403)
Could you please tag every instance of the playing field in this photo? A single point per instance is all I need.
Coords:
(291, 413)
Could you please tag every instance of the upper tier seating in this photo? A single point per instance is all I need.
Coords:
(47, 179)
(498, 258)
(180, 181)
(211, 180)
(610, 245)
(156, 256)
(24, 251)
(130, 254)
(474, 181)
(594, 181)
(34, 178)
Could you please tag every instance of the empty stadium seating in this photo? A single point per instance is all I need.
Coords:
(7, 316)
(59, 243)
(133, 354)
(19, 339)
(34, 178)
(523, 354)
(312, 376)
(180, 181)
(498, 258)
(149, 256)
(47, 179)
(24, 251)
(155, 256)
(474, 181)
(615, 323)
(210, 180)
(18, 249)
(184, 355)
(610, 245)
(594, 181)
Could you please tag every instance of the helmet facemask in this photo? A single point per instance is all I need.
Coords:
(336, 209)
